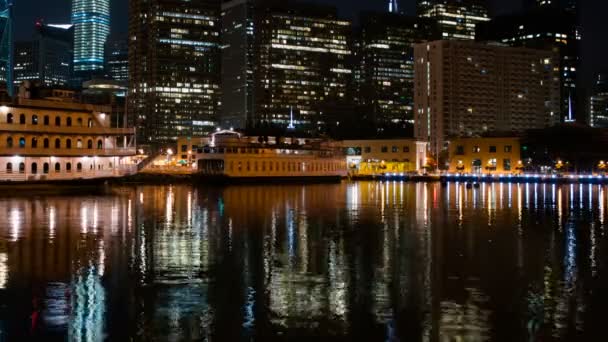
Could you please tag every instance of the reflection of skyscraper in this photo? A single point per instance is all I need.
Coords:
(91, 19)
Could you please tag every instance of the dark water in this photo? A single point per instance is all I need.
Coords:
(357, 261)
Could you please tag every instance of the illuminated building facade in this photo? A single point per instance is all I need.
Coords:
(47, 58)
(174, 59)
(304, 68)
(385, 76)
(598, 102)
(91, 20)
(467, 89)
(550, 28)
(117, 60)
(45, 136)
(489, 155)
(456, 19)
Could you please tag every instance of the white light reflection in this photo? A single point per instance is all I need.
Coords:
(52, 223)
(16, 221)
(83, 220)
(3, 270)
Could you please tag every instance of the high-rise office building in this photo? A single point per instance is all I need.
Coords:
(47, 58)
(598, 102)
(6, 44)
(385, 68)
(117, 60)
(551, 28)
(457, 18)
(91, 20)
(303, 69)
(174, 68)
(465, 88)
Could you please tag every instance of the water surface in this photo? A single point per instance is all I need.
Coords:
(353, 261)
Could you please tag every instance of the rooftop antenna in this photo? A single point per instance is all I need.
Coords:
(291, 124)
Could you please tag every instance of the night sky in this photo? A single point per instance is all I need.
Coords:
(593, 13)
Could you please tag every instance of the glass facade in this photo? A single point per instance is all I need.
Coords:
(304, 79)
(6, 43)
(117, 60)
(385, 75)
(91, 20)
(174, 54)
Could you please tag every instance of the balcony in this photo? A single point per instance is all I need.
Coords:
(64, 152)
(77, 130)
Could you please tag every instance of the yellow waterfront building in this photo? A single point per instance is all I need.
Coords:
(383, 156)
(485, 155)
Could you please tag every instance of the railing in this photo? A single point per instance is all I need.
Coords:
(50, 129)
(17, 176)
(73, 152)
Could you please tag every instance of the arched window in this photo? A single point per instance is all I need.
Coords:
(99, 144)
(68, 143)
(69, 122)
(57, 143)
(34, 119)
(47, 120)
(9, 118)
(34, 143)
(79, 143)
(9, 142)
(21, 142)
(9, 167)
(90, 144)
(90, 123)
(68, 167)
(57, 121)
(34, 168)
(57, 167)
(79, 167)
(79, 122)
(21, 167)
(22, 119)
(45, 168)
(46, 143)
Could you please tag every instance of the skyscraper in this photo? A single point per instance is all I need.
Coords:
(47, 58)
(457, 18)
(393, 6)
(174, 68)
(385, 69)
(550, 28)
(6, 44)
(117, 60)
(465, 88)
(91, 20)
(598, 102)
(303, 68)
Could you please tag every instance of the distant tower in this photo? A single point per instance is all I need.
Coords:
(393, 7)
(6, 44)
(91, 20)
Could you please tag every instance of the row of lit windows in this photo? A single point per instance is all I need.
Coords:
(46, 120)
(46, 167)
(10, 143)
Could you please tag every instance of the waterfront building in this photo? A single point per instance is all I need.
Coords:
(91, 20)
(111, 94)
(385, 68)
(598, 102)
(304, 69)
(47, 58)
(466, 89)
(551, 28)
(45, 135)
(487, 155)
(117, 60)
(457, 18)
(381, 156)
(174, 69)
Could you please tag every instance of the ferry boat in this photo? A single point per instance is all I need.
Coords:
(228, 155)
(55, 139)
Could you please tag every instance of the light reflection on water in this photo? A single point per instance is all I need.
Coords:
(374, 261)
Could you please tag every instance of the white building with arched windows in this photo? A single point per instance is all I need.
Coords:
(54, 139)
